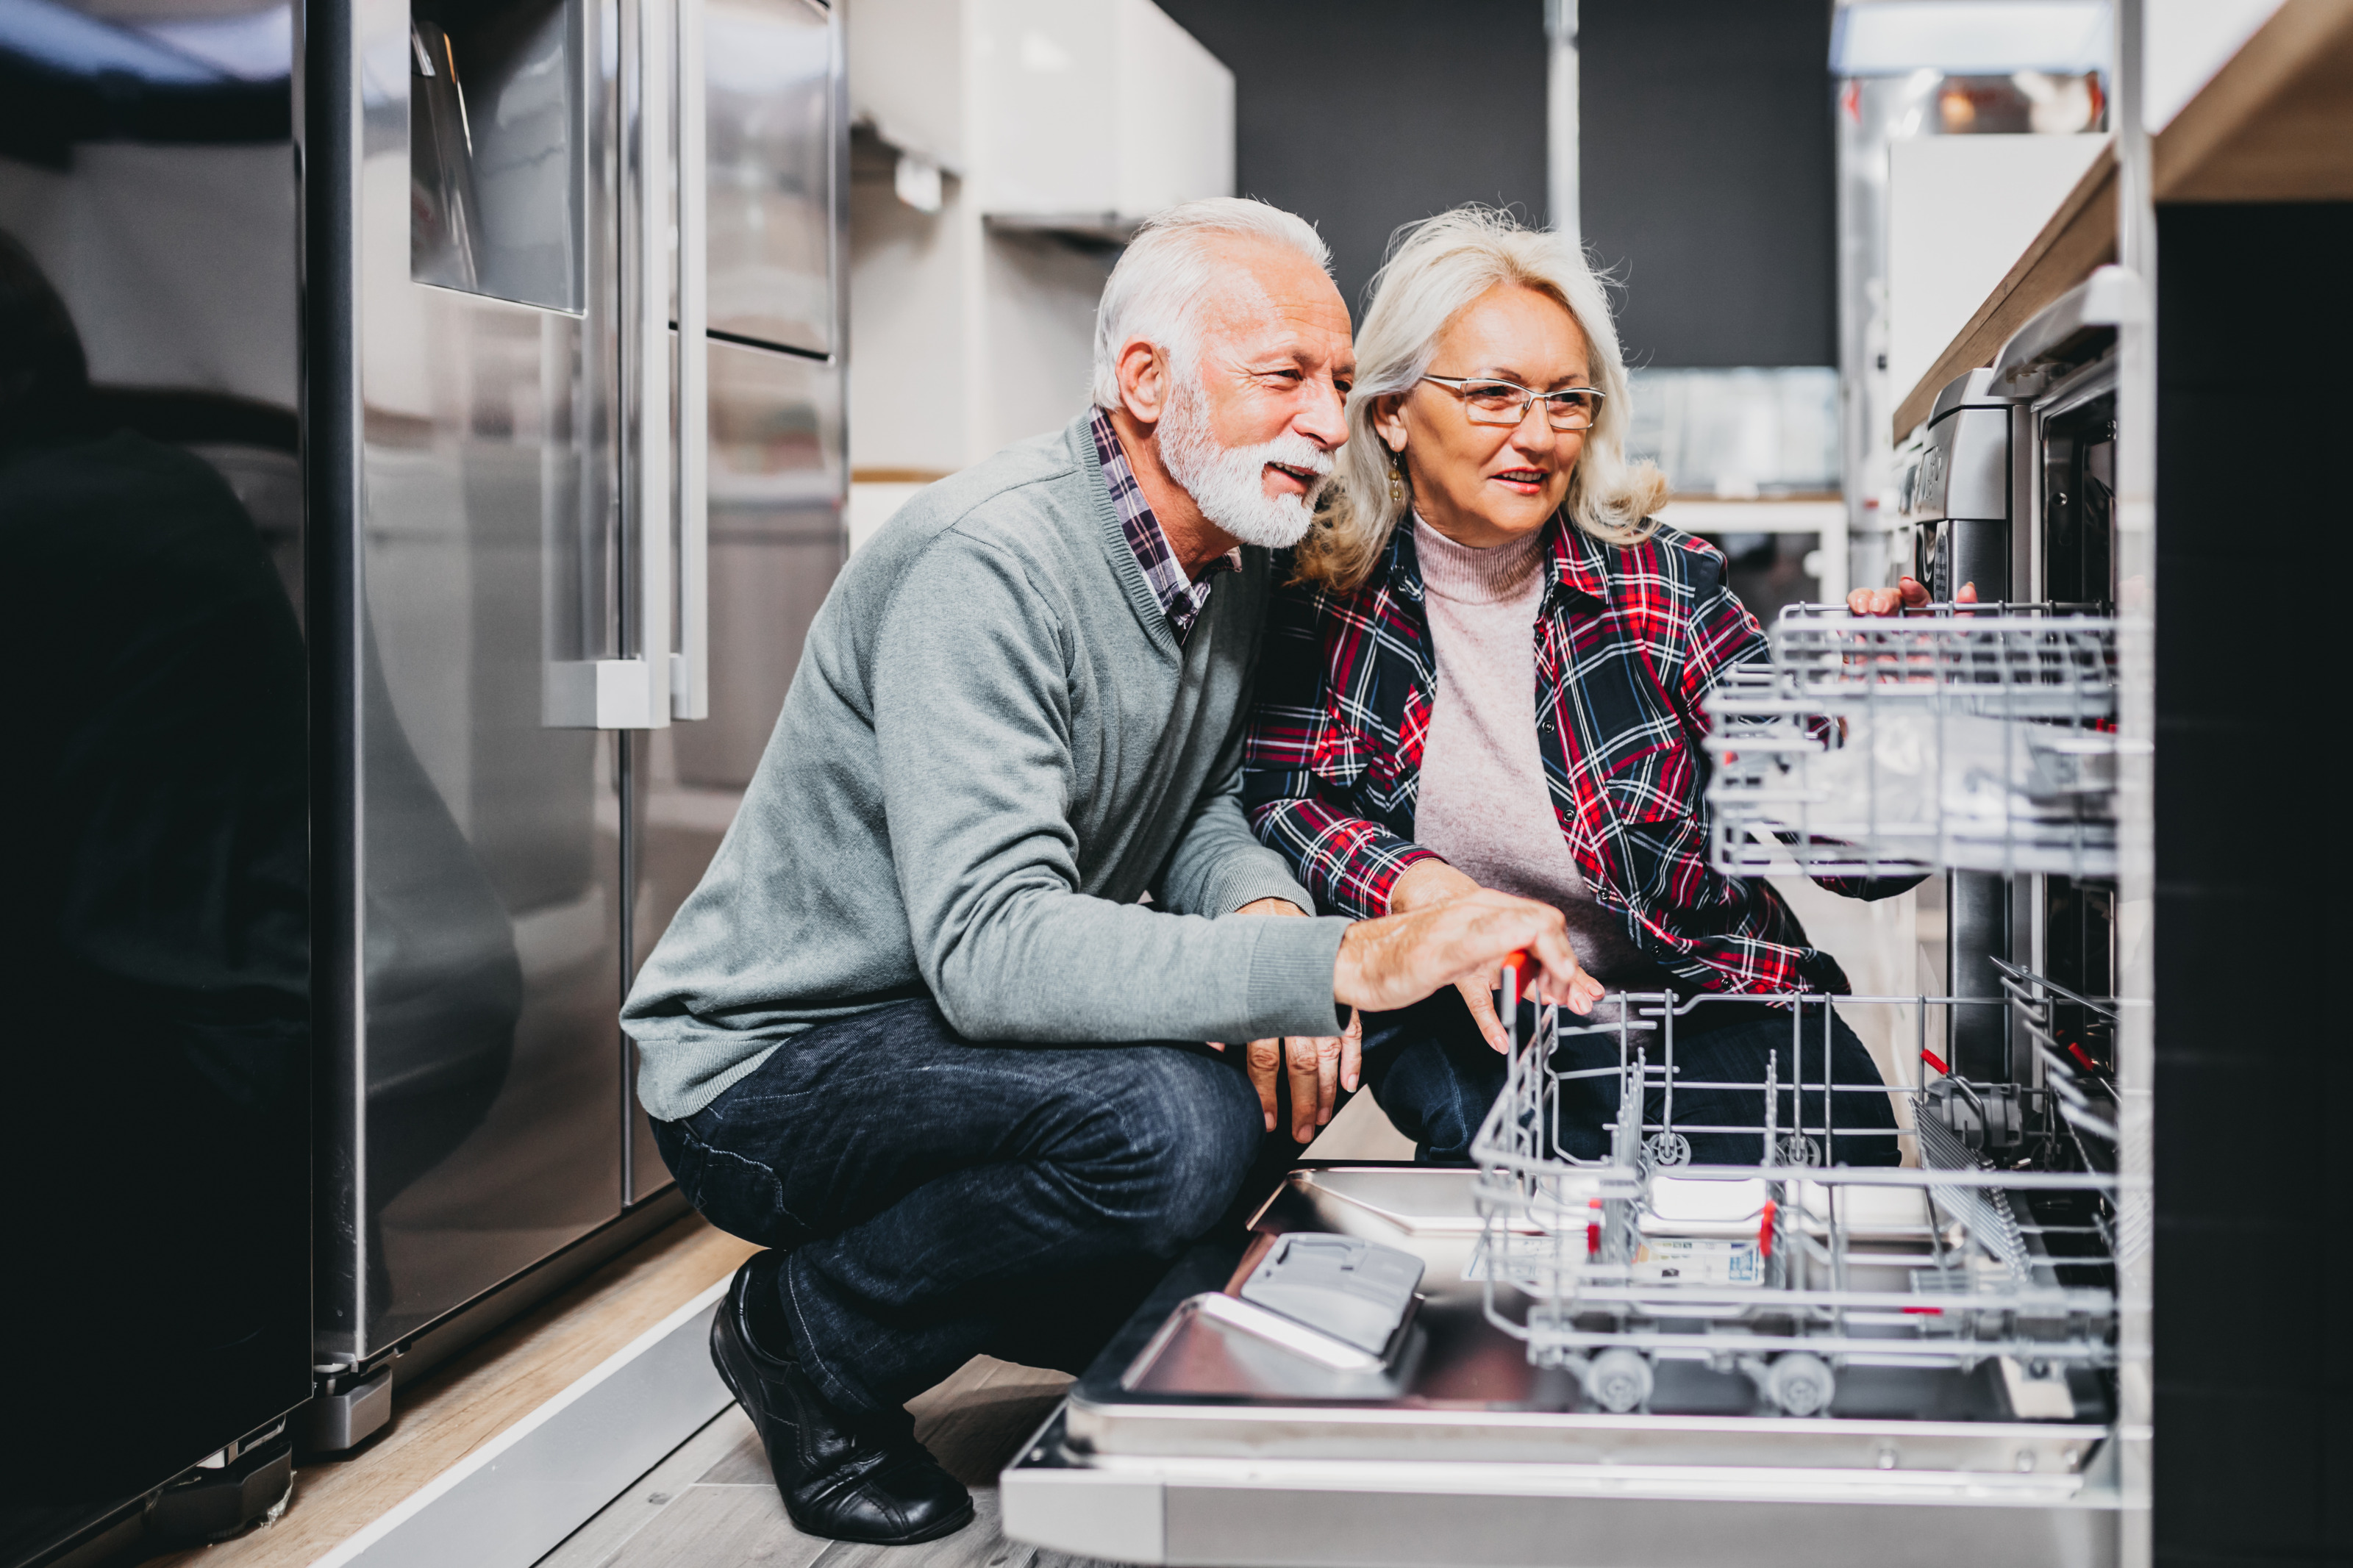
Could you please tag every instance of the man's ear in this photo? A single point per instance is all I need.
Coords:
(1143, 381)
(1389, 420)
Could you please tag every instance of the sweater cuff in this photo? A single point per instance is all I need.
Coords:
(1246, 878)
(1291, 973)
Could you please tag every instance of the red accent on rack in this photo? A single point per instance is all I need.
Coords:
(1765, 1228)
(1934, 1060)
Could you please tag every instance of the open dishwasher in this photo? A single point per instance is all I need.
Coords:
(1639, 1359)
(1628, 1363)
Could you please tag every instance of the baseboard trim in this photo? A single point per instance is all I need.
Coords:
(513, 1499)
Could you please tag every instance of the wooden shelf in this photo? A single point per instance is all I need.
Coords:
(2275, 125)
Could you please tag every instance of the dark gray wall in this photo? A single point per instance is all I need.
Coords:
(1360, 115)
(1708, 176)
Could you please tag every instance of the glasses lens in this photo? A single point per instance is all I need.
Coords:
(1570, 410)
(1495, 402)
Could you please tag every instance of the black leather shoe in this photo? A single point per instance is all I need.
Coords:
(838, 1480)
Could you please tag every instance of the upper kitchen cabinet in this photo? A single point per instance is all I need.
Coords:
(773, 156)
(1096, 114)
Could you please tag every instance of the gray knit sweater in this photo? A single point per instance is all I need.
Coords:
(993, 747)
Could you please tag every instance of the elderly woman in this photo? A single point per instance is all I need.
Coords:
(1488, 670)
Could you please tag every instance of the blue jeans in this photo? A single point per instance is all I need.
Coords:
(1436, 1079)
(940, 1198)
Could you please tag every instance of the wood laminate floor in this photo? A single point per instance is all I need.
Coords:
(713, 1505)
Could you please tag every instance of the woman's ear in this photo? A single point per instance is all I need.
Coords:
(1389, 420)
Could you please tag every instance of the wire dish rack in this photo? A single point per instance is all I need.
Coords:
(1796, 1269)
(1977, 738)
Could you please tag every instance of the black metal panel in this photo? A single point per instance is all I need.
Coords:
(2255, 1427)
(1360, 115)
(1707, 178)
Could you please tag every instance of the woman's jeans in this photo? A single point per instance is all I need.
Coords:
(940, 1198)
(1436, 1078)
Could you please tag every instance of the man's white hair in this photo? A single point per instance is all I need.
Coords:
(1157, 289)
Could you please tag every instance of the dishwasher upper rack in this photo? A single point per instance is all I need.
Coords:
(1972, 738)
(1789, 1270)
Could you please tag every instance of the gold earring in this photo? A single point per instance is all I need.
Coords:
(1397, 478)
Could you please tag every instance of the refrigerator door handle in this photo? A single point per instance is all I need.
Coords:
(690, 667)
(633, 692)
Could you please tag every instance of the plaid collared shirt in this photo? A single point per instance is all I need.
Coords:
(1628, 639)
(1183, 598)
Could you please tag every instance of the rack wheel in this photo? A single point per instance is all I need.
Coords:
(1620, 1380)
(1797, 1150)
(1801, 1384)
(1667, 1150)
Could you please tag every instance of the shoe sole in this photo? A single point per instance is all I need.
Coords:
(948, 1526)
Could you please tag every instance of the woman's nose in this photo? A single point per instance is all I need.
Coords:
(1534, 432)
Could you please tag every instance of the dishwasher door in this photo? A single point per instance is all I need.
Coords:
(1180, 1445)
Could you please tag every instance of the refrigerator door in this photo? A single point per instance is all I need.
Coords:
(477, 1080)
(154, 899)
(777, 142)
(778, 479)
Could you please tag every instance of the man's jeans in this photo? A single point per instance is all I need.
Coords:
(1429, 1068)
(940, 1198)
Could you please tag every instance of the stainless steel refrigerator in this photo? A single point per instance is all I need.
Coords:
(157, 1048)
(576, 462)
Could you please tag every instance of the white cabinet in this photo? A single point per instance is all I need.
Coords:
(1094, 114)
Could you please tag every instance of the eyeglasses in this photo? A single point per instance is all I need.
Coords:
(1491, 401)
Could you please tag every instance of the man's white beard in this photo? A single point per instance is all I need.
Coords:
(1227, 483)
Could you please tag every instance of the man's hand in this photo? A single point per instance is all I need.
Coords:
(1319, 1066)
(1425, 885)
(1398, 959)
(1910, 594)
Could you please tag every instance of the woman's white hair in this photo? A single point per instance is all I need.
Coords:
(1155, 291)
(1435, 271)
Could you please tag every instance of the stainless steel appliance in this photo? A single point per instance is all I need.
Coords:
(154, 944)
(576, 470)
(1959, 491)
(424, 481)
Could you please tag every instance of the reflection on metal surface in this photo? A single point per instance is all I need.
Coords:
(495, 149)
(483, 1067)
(154, 906)
(771, 155)
(776, 543)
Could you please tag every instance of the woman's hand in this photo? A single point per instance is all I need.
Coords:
(1426, 885)
(1907, 595)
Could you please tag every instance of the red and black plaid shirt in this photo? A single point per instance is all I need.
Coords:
(1628, 639)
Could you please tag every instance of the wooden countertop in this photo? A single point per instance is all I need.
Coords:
(2275, 125)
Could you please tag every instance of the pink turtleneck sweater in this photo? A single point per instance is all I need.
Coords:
(1484, 805)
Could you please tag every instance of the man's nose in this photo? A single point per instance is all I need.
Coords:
(1324, 419)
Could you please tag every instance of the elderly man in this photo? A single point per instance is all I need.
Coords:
(920, 1031)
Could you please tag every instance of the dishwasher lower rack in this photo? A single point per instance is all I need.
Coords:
(1973, 739)
(1196, 1440)
(1795, 1271)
